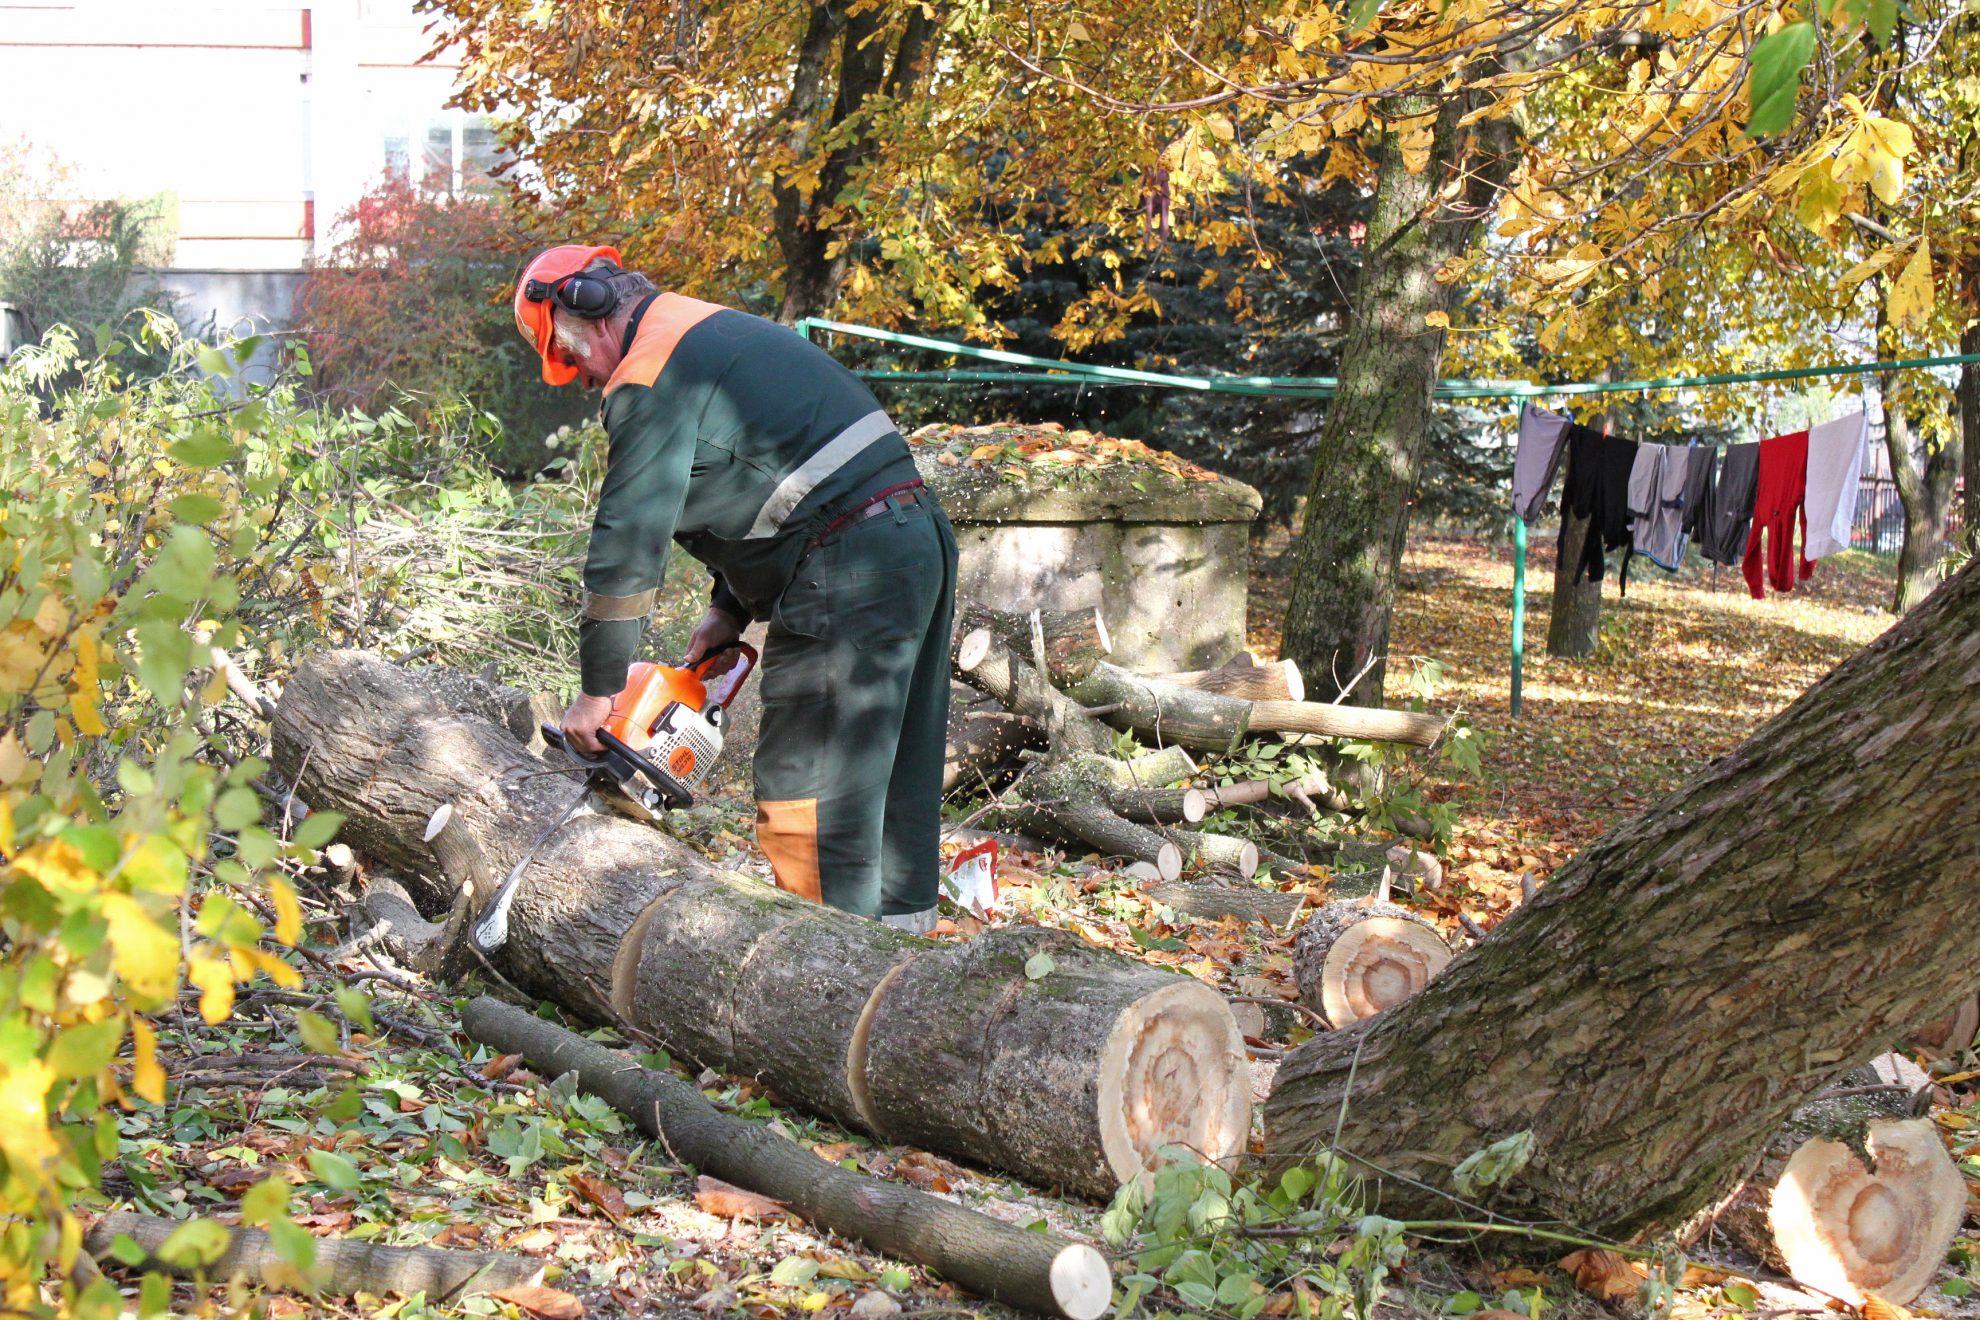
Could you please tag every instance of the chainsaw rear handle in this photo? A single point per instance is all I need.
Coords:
(623, 764)
(701, 667)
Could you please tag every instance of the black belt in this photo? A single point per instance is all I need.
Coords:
(907, 492)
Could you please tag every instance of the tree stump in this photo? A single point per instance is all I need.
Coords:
(1853, 1197)
(1353, 960)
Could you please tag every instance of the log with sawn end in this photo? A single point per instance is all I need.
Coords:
(618, 922)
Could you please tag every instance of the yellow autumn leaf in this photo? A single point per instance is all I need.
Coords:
(147, 1076)
(21, 654)
(1910, 296)
(51, 616)
(145, 954)
(6, 826)
(1437, 320)
(288, 912)
(215, 979)
(248, 961)
(1869, 266)
(1821, 201)
(24, 1136)
(58, 865)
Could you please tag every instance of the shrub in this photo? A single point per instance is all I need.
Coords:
(410, 309)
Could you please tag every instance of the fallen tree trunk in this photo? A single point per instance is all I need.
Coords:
(1242, 676)
(342, 1267)
(1816, 1211)
(989, 1046)
(1036, 1271)
(1677, 989)
(619, 923)
(1073, 641)
(1211, 721)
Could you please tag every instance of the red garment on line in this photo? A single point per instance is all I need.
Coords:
(1782, 484)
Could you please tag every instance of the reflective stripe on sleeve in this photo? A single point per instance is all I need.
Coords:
(835, 454)
(610, 609)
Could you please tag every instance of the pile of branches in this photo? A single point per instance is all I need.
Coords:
(1038, 722)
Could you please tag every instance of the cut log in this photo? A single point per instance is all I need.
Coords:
(1353, 960)
(1074, 640)
(435, 949)
(617, 922)
(1853, 1197)
(1170, 712)
(1038, 1272)
(1679, 988)
(1242, 676)
(1034, 1043)
(983, 662)
(341, 1269)
(1202, 898)
(1949, 1033)
(1160, 806)
(982, 735)
(1217, 852)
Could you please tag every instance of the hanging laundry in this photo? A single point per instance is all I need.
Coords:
(1700, 484)
(1657, 483)
(1542, 437)
(1835, 473)
(1777, 505)
(1598, 468)
(1722, 533)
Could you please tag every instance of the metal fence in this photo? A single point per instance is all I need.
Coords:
(1879, 526)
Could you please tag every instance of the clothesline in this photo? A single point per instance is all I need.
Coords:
(1059, 372)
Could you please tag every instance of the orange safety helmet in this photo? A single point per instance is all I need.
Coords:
(533, 316)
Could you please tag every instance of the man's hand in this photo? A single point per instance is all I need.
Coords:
(717, 629)
(582, 722)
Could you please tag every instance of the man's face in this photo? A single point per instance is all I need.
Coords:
(587, 346)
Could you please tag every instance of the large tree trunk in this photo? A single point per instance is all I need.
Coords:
(1924, 470)
(1349, 550)
(618, 922)
(1575, 623)
(1680, 986)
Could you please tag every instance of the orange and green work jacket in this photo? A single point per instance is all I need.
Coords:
(735, 437)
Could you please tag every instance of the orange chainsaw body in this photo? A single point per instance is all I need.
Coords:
(665, 716)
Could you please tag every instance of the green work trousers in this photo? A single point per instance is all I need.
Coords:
(855, 716)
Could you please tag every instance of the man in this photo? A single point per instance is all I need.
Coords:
(773, 465)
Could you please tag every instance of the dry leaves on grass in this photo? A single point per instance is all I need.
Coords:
(728, 1201)
(1601, 1273)
(1047, 445)
(540, 1300)
(601, 1194)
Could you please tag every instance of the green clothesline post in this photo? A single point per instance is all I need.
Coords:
(1519, 609)
(1034, 370)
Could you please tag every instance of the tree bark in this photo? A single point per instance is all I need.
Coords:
(1924, 471)
(1035, 1271)
(1210, 721)
(342, 1267)
(1349, 550)
(619, 923)
(1575, 623)
(1656, 1012)
(1073, 640)
(989, 1046)
(1243, 676)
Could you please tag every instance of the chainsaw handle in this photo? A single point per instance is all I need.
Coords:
(701, 667)
(554, 735)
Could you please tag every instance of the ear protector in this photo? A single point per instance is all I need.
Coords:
(577, 293)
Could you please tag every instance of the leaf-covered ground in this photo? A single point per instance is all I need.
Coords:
(408, 1133)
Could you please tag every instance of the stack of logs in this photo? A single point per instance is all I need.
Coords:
(1038, 692)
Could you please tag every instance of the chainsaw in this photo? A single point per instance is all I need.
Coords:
(661, 741)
